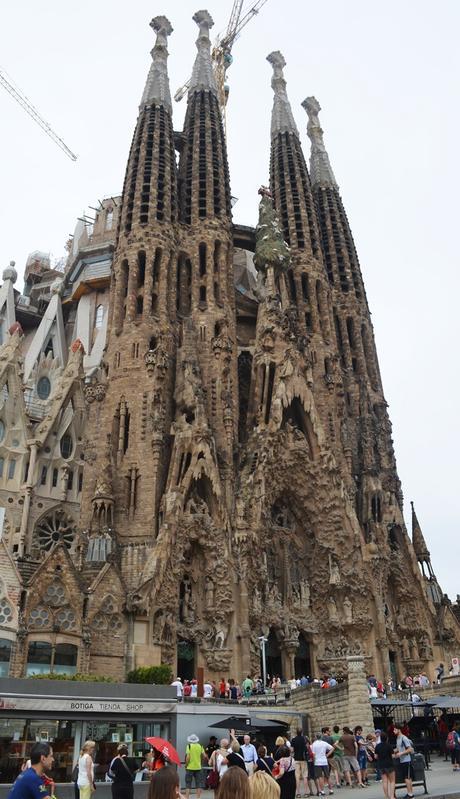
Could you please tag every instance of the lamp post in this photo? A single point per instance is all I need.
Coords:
(263, 641)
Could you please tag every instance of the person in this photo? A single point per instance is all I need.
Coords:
(212, 746)
(350, 762)
(29, 784)
(299, 748)
(249, 752)
(262, 786)
(326, 736)
(194, 755)
(386, 764)
(187, 688)
(279, 743)
(456, 750)
(165, 785)
(85, 780)
(362, 753)
(234, 784)
(179, 688)
(321, 749)
(234, 756)
(247, 687)
(439, 671)
(222, 687)
(155, 760)
(122, 770)
(286, 773)
(264, 761)
(218, 759)
(403, 753)
(207, 690)
(336, 759)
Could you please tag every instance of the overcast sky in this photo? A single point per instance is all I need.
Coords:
(387, 77)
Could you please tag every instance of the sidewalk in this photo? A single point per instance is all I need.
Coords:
(440, 781)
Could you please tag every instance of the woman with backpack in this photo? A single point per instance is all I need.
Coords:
(122, 771)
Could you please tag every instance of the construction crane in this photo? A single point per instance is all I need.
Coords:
(221, 51)
(20, 98)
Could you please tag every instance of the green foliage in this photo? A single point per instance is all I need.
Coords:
(72, 677)
(153, 675)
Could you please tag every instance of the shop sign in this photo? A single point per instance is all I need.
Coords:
(84, 705)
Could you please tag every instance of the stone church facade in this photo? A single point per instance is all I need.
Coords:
(195, 451)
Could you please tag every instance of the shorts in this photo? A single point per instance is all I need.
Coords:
(195, 775)
(405, 771)
(387, 770)
(337, 762)
(321, 771)
(311, 770)
(362, 760)
(300, 769)
(455, 757)
(350, 763)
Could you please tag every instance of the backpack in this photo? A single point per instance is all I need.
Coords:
(450, 741)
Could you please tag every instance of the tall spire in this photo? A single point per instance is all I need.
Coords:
(418, 540)
(203, 73)
(156, 90)
(320, 168)
(282, 118)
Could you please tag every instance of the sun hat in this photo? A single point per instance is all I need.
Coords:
(193, 739)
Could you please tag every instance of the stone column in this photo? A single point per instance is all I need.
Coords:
(359, 706)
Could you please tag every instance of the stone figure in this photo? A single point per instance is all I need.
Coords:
(348, 611)
(334, 572)
(332, 609)
(405, 648)
(209, 592)
(413, 649)
(305, 594)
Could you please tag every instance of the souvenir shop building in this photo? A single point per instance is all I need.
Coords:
(65, 714)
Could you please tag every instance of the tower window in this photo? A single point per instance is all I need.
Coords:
(202, 254)
(49, 348)
(139, 305)
(2, 430)
(43, 388)
(80, 482)
(43, 476)
(202, 293)
(141, 268)
(55, 478)
(2, 464)
(99, 317)
(66, 446)
(70, 481)
(109, 219)
(11, 469)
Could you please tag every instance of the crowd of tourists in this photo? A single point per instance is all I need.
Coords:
(246, 769)
(251, 686)
(379, 689)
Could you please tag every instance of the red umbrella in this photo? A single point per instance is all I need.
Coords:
(165, 748)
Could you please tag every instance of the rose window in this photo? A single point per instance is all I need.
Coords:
(66, 619)
(39, 617)
(55, 595)
(55, 528)
(6, 612)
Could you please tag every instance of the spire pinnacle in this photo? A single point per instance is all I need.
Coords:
(156, 90)
(418, 540)
(320, 168)
(203, 73)
(282, 118)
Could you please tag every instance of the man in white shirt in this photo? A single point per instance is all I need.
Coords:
(320, 751)
(207, 690)
(248, 750)
(179, 687)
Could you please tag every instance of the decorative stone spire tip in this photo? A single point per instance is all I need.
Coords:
(282, 117)
(203, 74)
(156, 90)
(320, 167)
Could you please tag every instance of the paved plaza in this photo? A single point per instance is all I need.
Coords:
(440, 780)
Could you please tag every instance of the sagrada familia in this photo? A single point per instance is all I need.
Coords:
(195, 448)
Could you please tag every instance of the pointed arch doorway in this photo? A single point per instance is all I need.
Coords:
(273, 656)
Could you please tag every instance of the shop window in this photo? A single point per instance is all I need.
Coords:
(5, 655)
(43, 388)
(66, 446)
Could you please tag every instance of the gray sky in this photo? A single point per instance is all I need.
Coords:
(387, 77)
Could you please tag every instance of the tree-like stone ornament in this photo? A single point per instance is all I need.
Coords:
(157, 87)
(203, 73)
(271, 249)
(320, 167)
